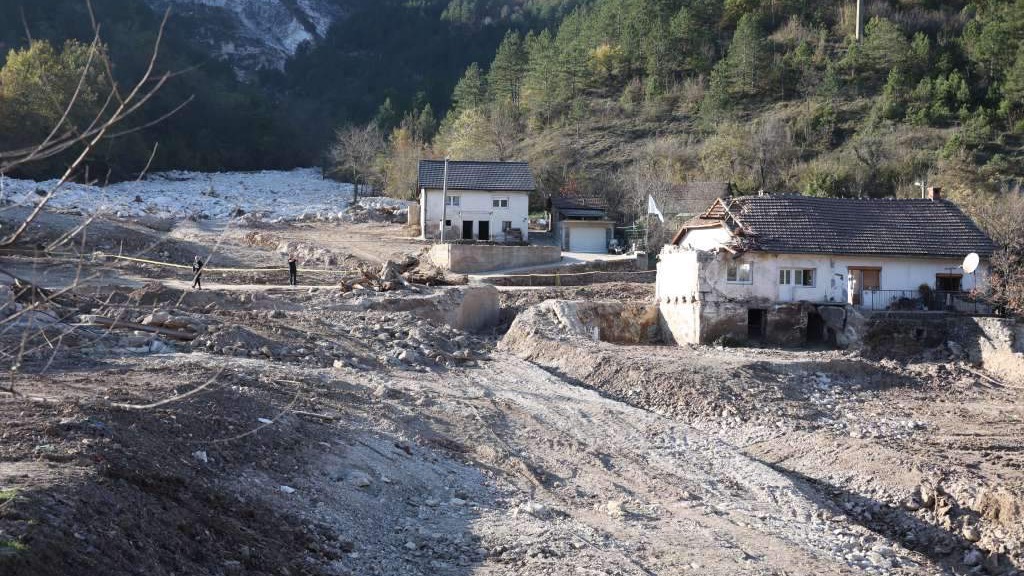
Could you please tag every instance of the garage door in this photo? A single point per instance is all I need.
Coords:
(587, 239)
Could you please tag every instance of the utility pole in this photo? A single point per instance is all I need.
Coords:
(444, 197)
(860, 25)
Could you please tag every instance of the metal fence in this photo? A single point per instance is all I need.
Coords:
(932, 300)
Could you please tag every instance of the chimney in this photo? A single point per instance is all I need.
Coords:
(935, 193)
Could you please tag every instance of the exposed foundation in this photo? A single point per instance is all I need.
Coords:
(755, 321)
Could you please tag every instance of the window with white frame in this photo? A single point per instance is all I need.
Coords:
(500, 202)
(453, 200)
(506, 225)
(797, 277)
(739, 273)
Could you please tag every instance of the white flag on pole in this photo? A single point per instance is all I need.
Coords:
(652, 208)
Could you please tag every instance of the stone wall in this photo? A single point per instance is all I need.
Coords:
(474, 258)
(997, 344)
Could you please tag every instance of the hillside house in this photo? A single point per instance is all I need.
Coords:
(580, 222)
(783, 269)
(486, 201)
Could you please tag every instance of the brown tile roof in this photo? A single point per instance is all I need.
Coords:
(808, 225)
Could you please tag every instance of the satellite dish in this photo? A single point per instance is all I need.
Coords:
(971, 262)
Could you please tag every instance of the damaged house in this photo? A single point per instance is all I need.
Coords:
(787, 269)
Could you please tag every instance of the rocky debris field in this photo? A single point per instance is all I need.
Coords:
(265, 196)
(381, 426)
(195, 463)
(927, 453)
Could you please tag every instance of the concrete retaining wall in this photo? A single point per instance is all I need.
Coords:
(577, 275)
(474, 258)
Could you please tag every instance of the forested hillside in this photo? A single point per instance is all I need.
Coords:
(772, 95)
(616, 95)
(411, 53)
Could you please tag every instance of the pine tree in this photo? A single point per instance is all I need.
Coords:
(542, 91)
(386, 118)
(1012, 106)
(471, 91)
(746, 62)
(426, 123)
(505, 77)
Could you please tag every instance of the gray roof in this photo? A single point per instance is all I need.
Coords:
(581, 213)
(808, 225)
(472, 175)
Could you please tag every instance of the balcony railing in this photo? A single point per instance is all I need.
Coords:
(933, 300)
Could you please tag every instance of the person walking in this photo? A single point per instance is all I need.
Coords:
(293, 271)
(197, 273)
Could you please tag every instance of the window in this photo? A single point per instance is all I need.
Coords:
(796, 277)
(453, 200)
(447, 222)
(739, 273)
(506, 225)
(803, 277)
(500, 202)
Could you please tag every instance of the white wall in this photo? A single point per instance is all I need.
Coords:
(681, 274)
(474, 205)
(705, 238)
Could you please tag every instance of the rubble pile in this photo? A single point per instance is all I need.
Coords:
(375, 209)
(391, 276)
(402, 341)
(309, 254)
(370, 339)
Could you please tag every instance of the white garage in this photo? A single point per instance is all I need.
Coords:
(587, 238)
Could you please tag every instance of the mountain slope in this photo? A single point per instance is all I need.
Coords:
(254, 34)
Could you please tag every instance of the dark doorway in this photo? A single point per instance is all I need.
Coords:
(757, 323)
(948, 282)
(467, 229)
(485, 230)
(815, 328)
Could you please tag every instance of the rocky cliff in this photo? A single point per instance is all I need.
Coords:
(254, 34)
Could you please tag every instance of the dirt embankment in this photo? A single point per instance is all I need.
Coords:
(912, 452)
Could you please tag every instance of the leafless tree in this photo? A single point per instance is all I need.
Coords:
(1002, 216)
(505, 130)
(355, 153)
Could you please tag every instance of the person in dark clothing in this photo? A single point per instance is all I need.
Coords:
(293, 271)
(197, 273)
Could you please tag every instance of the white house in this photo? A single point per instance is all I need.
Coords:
(779, 267)
(487, 201)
